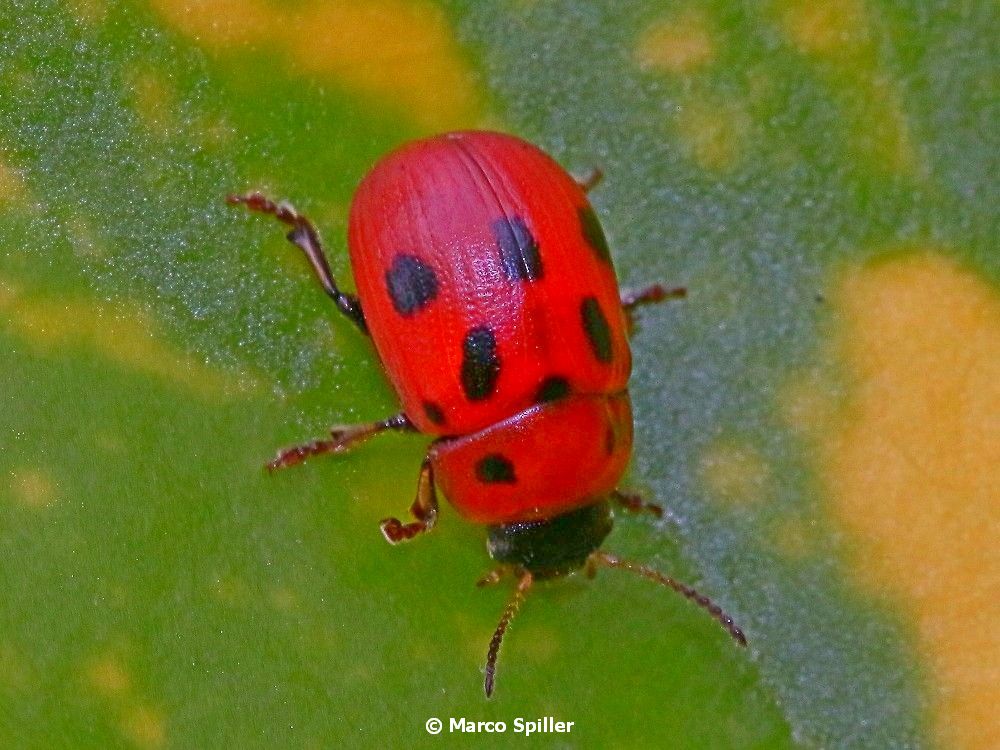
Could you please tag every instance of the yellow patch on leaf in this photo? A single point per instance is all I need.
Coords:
(14, 192)
(402, 53)
(146, 726)
(284, 599)
(88, 12)
(837, 35)
(108, 676)
(913, 466)
(678, 45)
(834, 27)
(32, 487)
(805, 405)
(734, 472)
(712, 130)
(125, 335)
(793, 538)
(16, 672)
(155, 101)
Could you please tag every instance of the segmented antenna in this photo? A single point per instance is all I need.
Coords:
(611, 561)
(508, 614)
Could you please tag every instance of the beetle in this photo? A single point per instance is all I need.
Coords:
(486, 284)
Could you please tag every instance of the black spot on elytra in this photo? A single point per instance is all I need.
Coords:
(595, 325)
(412, 284)
(552, 389)
(518, 249)
(594, 234)
(433, 412)
(480, 364)
(610, 441)
(495, 468)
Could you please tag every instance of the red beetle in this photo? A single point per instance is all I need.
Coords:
(486, 284)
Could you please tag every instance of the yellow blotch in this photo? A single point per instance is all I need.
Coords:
(793, 538)
(16, 673)
(734, 472)
(913, 466)
(807, 402)
(230, 590)
(224, 23)
(84, 239)
(837, 35)
(713, 131)
(678, 45)
(88, 12)
(154, 101)
(141, 723)
(834, 27)
(212, 131)
(14, 192)
(124, 334)
(284, 599)
(146, 726)
(32, 487)
(402, 53)
(108, 676)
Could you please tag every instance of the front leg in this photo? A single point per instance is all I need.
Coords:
(424, 510)
(590, 180)
(305, 237)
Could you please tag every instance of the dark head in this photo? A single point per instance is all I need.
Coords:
(562, 545)
(553, 546)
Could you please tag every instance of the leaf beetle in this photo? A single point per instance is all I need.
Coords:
(486, 285)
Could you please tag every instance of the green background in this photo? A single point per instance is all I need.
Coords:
(157, 588)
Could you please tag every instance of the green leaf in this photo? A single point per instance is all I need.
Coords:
(819, 415)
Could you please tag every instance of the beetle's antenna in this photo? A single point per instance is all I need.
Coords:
(508, 614)
(611, 561)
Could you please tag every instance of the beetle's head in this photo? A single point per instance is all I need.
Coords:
(554, 546)
(559, 546)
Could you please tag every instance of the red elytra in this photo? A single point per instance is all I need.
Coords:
(513, 248)
(486, 284)
(582, 441)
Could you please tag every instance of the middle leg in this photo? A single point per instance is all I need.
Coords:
(342, 439)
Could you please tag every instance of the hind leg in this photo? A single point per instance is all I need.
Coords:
(424, 510)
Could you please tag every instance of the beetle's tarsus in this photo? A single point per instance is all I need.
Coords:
(424, 510)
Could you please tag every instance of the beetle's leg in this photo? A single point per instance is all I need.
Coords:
(494, 576)
(634, 503)
(306, 238)
(424, 510)
(342, 439)
(632, 298)
(590, 180)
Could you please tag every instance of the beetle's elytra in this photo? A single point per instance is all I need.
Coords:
(486, 284)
